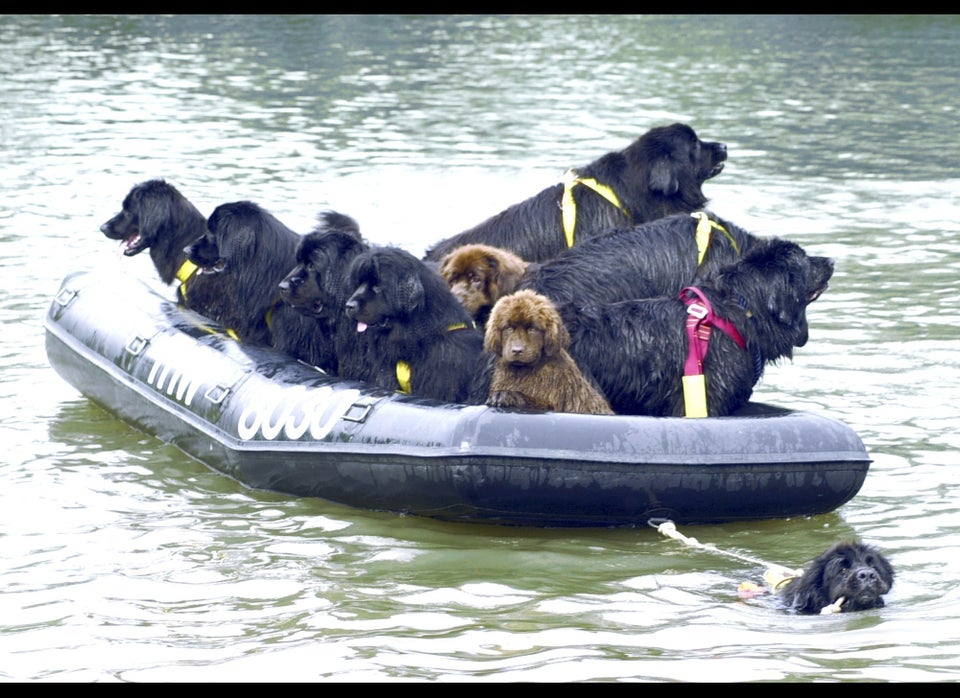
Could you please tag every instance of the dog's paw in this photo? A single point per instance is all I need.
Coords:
(508, 398)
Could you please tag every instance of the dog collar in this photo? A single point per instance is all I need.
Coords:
(700, 321)
(705, 227)
(185, 271)
(568, 207)
(403, 368)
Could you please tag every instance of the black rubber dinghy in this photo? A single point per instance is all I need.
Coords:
(276, 424)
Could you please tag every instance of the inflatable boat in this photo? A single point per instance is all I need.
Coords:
(274, 423)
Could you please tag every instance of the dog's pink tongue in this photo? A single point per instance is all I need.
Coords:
(361, 326)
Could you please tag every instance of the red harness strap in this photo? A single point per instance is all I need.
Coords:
(700, 321)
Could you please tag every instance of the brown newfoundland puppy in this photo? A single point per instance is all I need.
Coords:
(638, 350)
(532, 369)
(414, 336)
(848, 576)
(155, 216)
(248, 251)
(660, 173)
(645, 261)
(317, 286)
(479, 275)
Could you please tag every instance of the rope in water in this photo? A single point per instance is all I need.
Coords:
(669, 529)
(775, 575)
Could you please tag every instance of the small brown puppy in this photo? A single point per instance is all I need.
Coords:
(479, 275)
(532, 368)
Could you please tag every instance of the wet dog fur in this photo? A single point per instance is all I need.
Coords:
(404, 311)
(636, 350)
(155, 216)
(317, 286)
(851, 574)
(645, 261)
(533, 369)
(660, 173)
(479, 275)
(249, 251)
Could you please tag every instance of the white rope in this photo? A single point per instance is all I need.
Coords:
(669, 529)
(775, 575)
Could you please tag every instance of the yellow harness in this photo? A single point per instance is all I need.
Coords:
(704, 228)
(568, 207)
(403, 368)
(185, 271)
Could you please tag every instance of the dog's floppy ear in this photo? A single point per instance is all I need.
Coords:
(493, 333)
(506, 277)
(153, 212)
(493, 338)
(407, 293)
(237, 237)
(663, 177)
(410, 293)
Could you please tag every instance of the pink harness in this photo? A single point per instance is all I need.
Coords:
(700, 321)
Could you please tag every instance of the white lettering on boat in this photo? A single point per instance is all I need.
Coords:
(182, 386)
(294, 411)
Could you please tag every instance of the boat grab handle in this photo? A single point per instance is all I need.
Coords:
(217, 393)
(136, 345)
(359, 410)
(65, 296)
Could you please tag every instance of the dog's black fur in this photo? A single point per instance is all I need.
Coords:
(317, 286)
(660, 173)
(636, 349)
(404, 311)
(250, 251)
(645, 261)
(155, 216)
(850, 570)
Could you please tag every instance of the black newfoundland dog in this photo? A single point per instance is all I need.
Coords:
(645, 261)
(248, 251)
(660, 173)
(848, 576)
(155, 216)
(412, 333)
(317, 286)
(638, 350)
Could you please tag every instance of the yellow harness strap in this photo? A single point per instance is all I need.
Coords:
(185, 271)
(403, 376)
(403, 368)
(568, 207)
(704, 227)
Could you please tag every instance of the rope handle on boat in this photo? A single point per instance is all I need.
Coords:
(775, 576)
